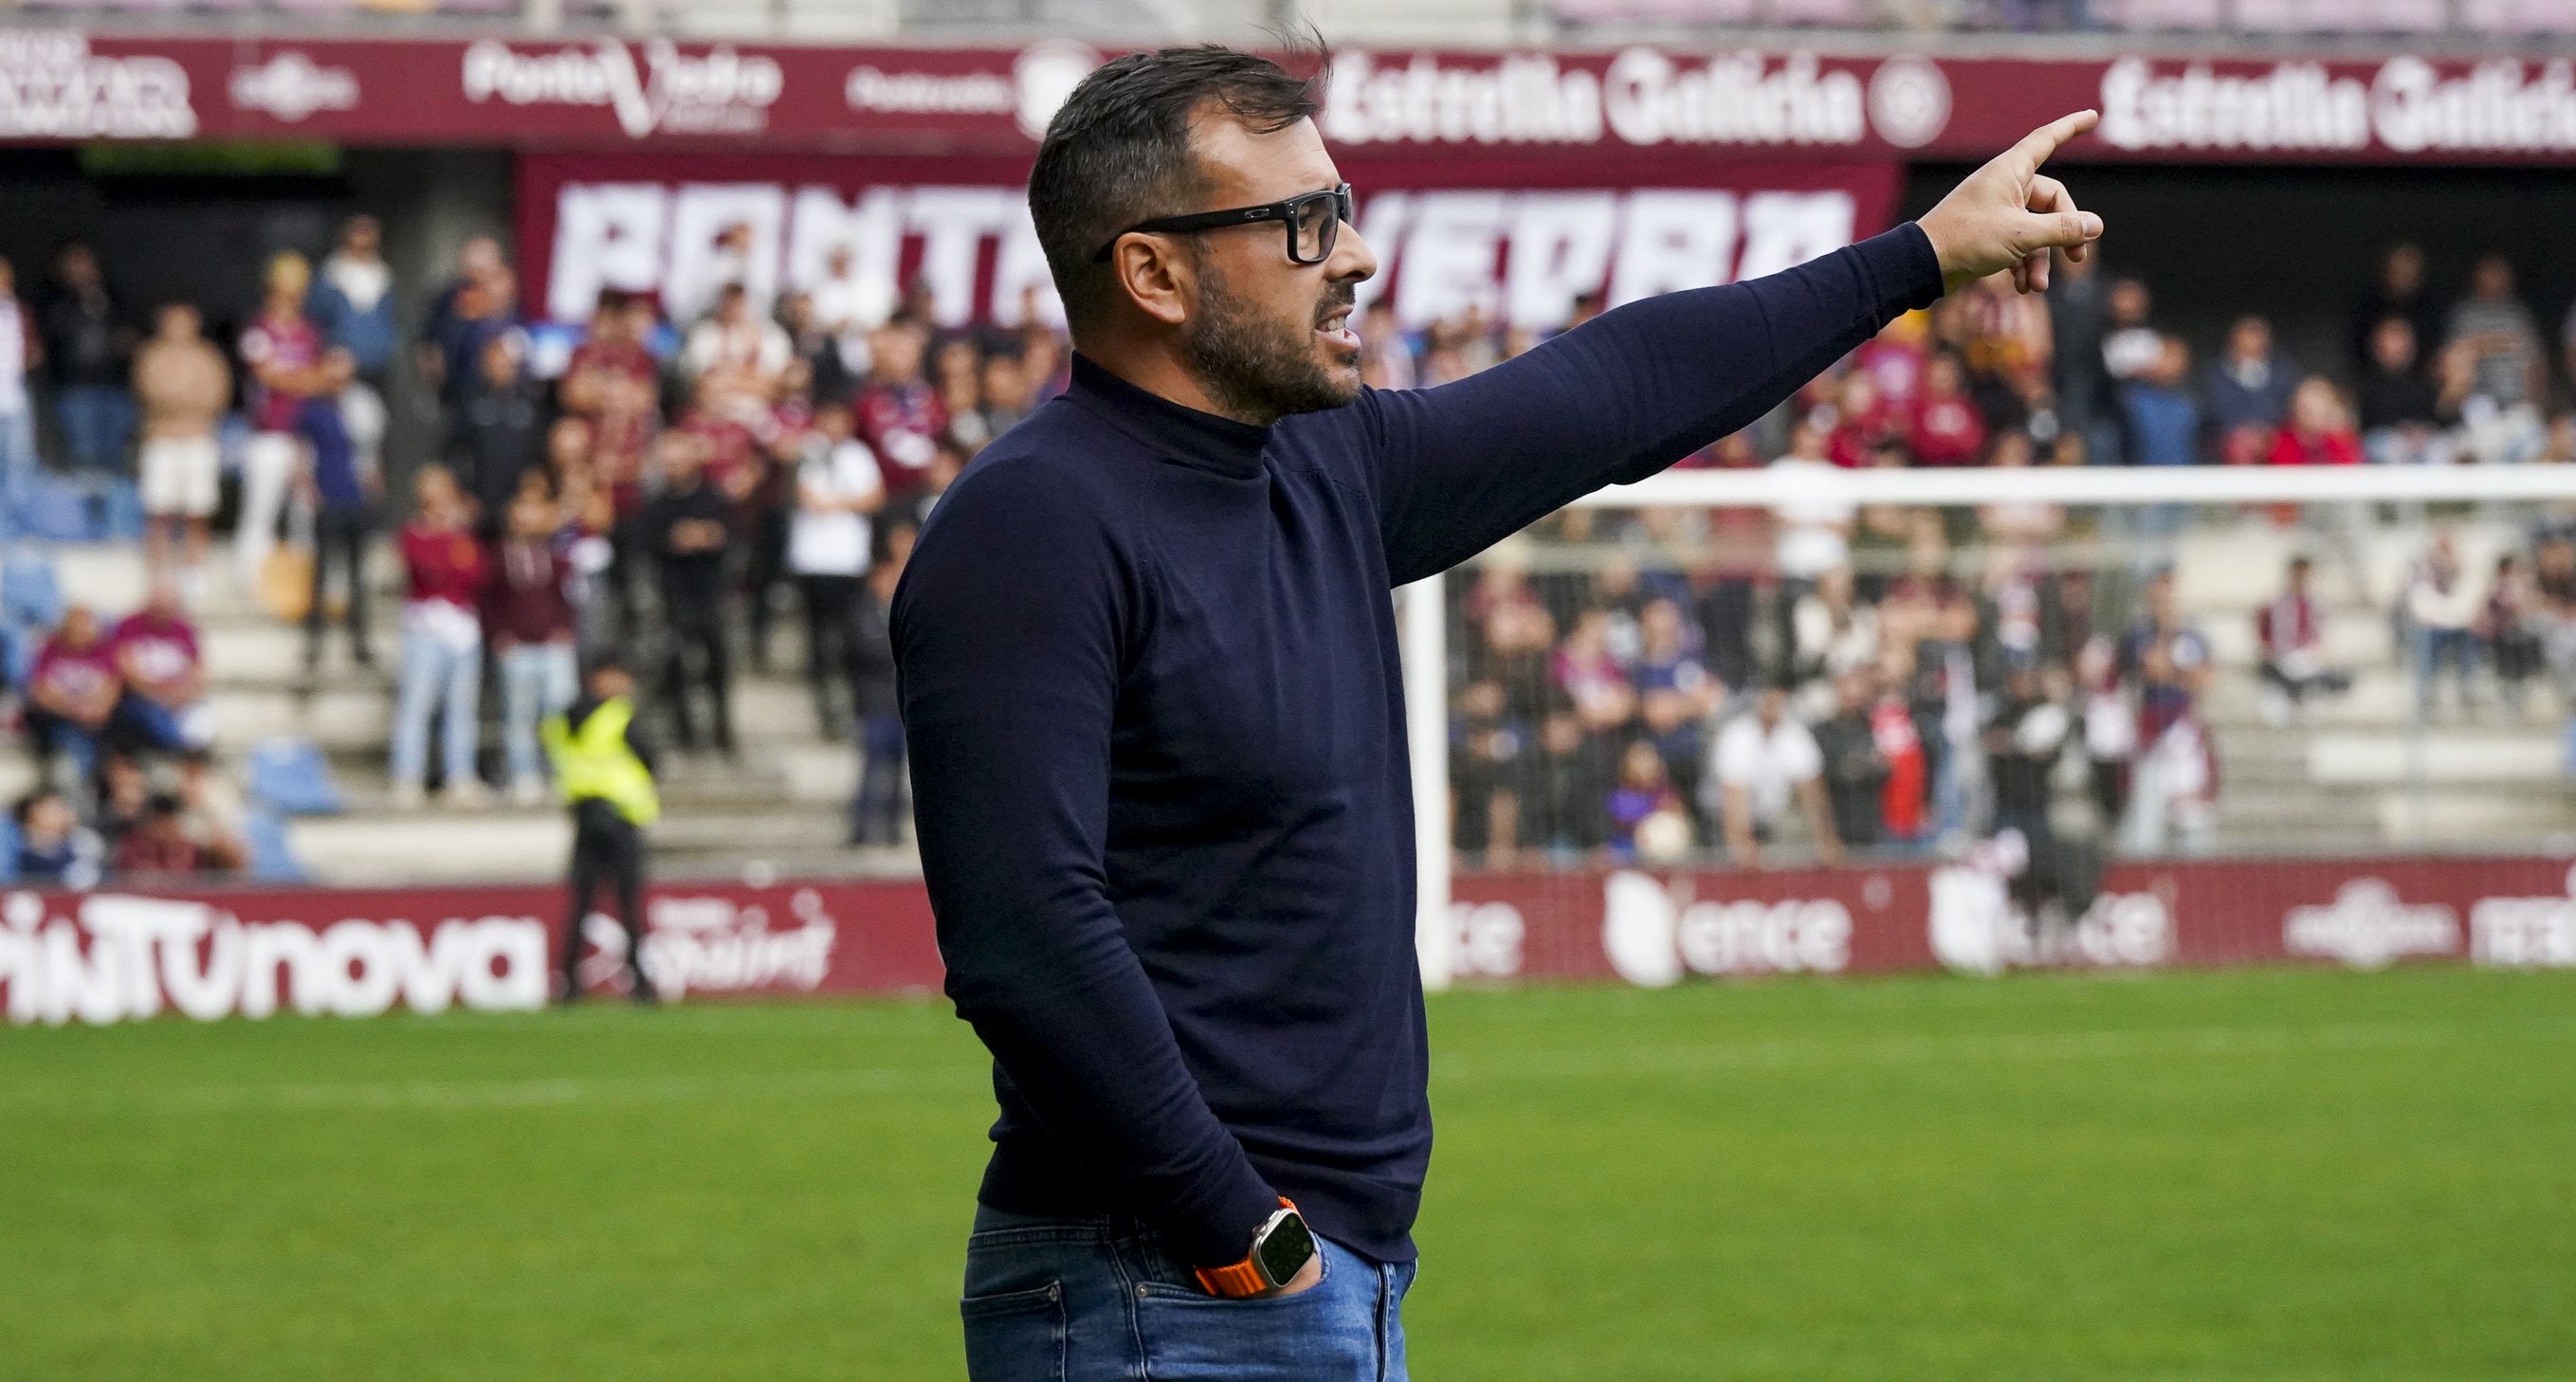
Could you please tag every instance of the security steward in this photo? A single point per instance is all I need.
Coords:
(605, 771)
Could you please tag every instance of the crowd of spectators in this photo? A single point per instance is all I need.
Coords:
(1642, 686)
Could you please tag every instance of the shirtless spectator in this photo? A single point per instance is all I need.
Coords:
(183, 386)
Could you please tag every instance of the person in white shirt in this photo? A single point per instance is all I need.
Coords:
(1762, 761)
(838, 485)
(1812, 512)
(19, 353)
(737, 355)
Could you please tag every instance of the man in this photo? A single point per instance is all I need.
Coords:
(87, 347)
(1149, 678)
(499, 433)
(341, 487)
(184, 385)
(1855, 767)
(604, 769)
(689, 525)
(2291, 629)
(901, 417)
(1763, 761)
(159, 657)
(2173, 780)
(353, 302)
(2247, 392)
(21, 350)
(72, 694)
(282, 352)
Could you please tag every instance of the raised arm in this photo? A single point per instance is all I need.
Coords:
(1459, 467)
(1007, 630)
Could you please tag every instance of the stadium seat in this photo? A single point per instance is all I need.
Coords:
(57, 510)
(290, 775)
(8, 847)
(30, 594)
(272, 856)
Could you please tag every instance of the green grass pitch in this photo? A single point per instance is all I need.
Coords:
(2291, 1176)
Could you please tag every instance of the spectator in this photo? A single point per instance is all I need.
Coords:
(2164, 417)
(2079, 313)
(908, 510)
(283, 353)
(2400, 292)
(21, 350)
(353, 302)
(2246, 394)
(529, 619)
(162, 664)
(850, 304)
(2110, 730)
(1762, 761)
(2290, 632)
(877, 808)
(2173, 780)
(688, 528)
(2443, 606)
(1564, 795)
(157, 847)
(444, 571)
(499, 432)
(1646, 819)
(2319, 432)
(341, 487)
(1856, 770)
(2023, 741)
(482, 300)
(1831, 632)
(1005, 393)
(736, 356)
(183, 385)
(900, 415)
(1813, 530)
(1948, 430)
(2554, 618)
(54, 848)
(828, 547)
(2498, 346)
(1862, 422)
(211, 813)
(1677, 698)
(1895, 359)
(1585, 671)
(2507, 626)
(125, 795)
(72, 695)
(2400, 404)
(815, 348)
(956, 372)
(88, 348)
(1905, 742)
(2132, 346)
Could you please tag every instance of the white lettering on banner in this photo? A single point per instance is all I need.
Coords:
(53, 87)
(2525, 932)
(710, 944)
(719, 92)
(291, 86)
(1645, 97)
(1653, 934)
(1734, 99)
(2367, 926)
(143, 952)
(1488, 939)
(1041, 77)
(1523, 256)
(2406, 105)
(1975, 927)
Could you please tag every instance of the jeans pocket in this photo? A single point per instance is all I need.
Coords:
(1015, 1336)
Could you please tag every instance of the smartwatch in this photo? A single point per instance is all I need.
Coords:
(1280, 1248)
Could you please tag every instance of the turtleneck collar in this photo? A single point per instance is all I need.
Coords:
(1176, 433)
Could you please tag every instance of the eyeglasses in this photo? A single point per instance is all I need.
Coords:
(1313, 221)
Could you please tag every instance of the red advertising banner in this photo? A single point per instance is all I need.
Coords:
(1518, 237)
(111, 957)
(60, 85)
(1655, 928)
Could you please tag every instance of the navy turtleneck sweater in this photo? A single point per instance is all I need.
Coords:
(1148, 669)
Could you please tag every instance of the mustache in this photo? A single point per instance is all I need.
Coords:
(1335, 300)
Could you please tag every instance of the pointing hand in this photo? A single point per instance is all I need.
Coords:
(2009, 215)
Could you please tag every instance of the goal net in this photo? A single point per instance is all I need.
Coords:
(1797, 719)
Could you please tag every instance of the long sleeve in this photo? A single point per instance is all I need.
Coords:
(1464, 465)
(1008, 628)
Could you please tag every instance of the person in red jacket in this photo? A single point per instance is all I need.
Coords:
(528, 615)
(1948, 429)
(442, 642)
(2320, 431)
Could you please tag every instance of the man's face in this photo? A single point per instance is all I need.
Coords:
(1266, 335)
(79, 267)
(2393, 345)
(2251, 340)
(179, 323)
(362, 238)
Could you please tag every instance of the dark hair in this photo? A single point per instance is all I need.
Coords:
(1118, 151)
(603, 661)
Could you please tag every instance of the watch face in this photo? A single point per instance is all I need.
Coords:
(1285, 1248)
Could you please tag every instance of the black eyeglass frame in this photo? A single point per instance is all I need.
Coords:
(1284, 212)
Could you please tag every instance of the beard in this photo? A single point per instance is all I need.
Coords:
(1260, 368)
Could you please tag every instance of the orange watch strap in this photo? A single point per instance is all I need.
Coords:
(1237, 1278)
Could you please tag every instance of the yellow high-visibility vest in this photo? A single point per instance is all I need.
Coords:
(597, 764)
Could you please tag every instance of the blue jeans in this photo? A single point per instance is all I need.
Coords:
(96, 419)
(437, 680)
(18, 465)
(536, 681)
(877, 809)
(2433, 647)
(1099, 1298)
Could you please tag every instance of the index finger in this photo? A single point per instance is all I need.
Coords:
(2036, 146)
